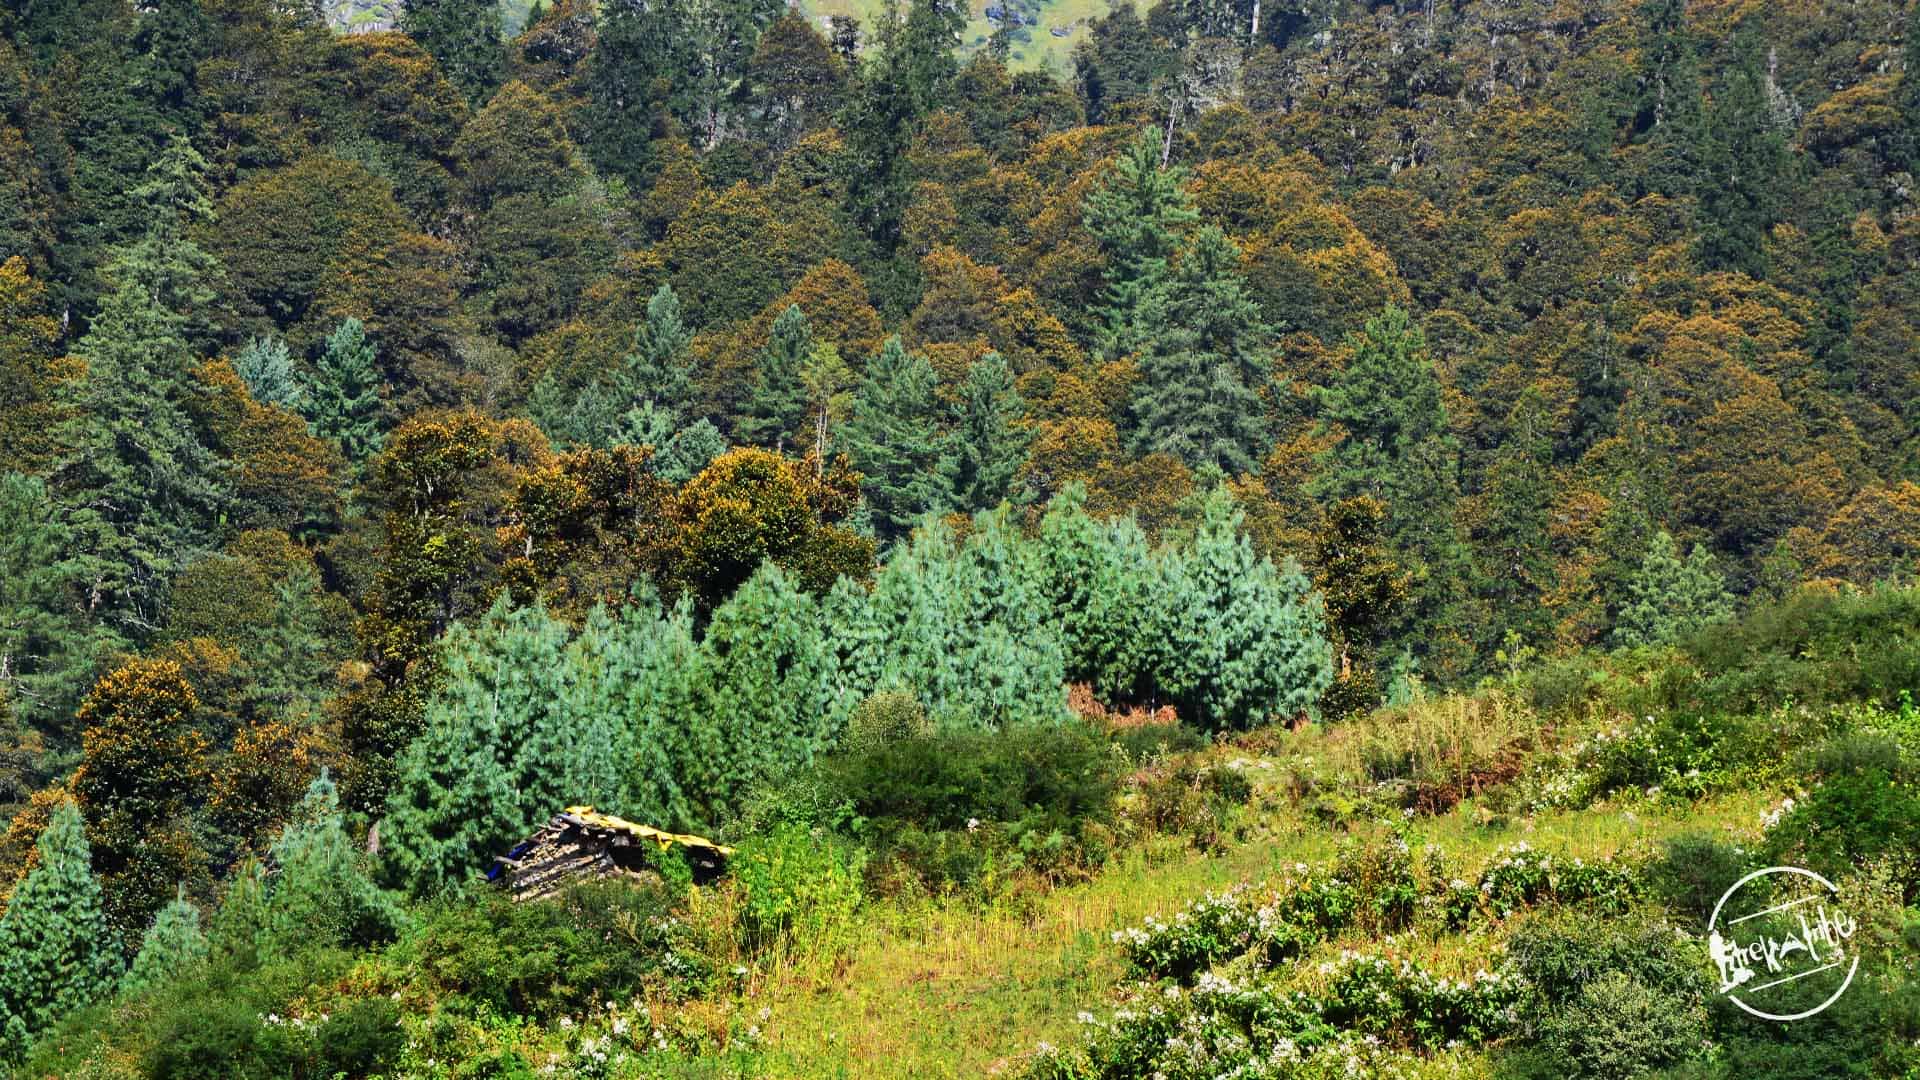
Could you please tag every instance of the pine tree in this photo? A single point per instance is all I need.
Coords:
(1515, 544)
(655, 372)
(141, 492)
(1203, 359)
(1097, 578)
(1396, 446)
(1670, 598)
(172, 946)
(266, 366)
(56, 955)
(895, 439)
(1746, 159)
(992, 438)
(1238, 642)
(482, 771)
(344, 400)
(464, 38)
(46, 648)
(1669, 111)
(962, 625)
(320, 894)
(762, 681)
(1136, 217)
(238, 927)
(777, 408)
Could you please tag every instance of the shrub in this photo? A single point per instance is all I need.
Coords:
(1193, 800)
(1618, 1028)
(360, 1039)
(1865, 805)
(479, 951)
(798, 885)
(888, 716)
(1032, 790)
(1694, 870)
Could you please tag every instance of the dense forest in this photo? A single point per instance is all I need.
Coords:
(783, 425)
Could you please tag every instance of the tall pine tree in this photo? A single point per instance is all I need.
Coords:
(1137, 218)
(777, 408)
(1203, 359)
(896, 442)
(142, 494)
(55, 953)
(343, 403)
(992, 437)
(464, 38)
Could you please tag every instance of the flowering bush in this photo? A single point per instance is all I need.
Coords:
(1371, 1012)
(1281, 922)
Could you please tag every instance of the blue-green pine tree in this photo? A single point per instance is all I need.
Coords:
(173, 945)
(55, 953)
(1097, 577)
(321, 892)
(1671, 597)
(1239, 641)
(266, 366)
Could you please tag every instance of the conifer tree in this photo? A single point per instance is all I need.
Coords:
(1136, 217)
(1097, 578)
(492, 758)
(46, 648)
(1745, 159)
(266, 366)
(344, 400)
(992, 437)
(1203, 359)
(320, 893)
(1669, 597)
(762, 682)
(655, 372)
(172, 945)
(1514, 540)
(1669, 110)
(1396, 446)
(464, 38)
(142, 493)
(895, 439)
(238, 926)
(56, 955)
(777, 407)
(1238, 641)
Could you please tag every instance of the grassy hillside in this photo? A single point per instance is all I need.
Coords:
(1406, 890)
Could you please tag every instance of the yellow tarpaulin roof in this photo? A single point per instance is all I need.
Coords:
(659, 836)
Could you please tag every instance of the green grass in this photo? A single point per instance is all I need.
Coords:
(952, 990)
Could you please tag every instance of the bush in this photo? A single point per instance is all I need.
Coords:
(1609, 998)
(1694, 870)
(1865, 805)
(1618, 1028)
(888, 716)
(1144, 741)
(1196, 801)
(478, 951)
(798, 885)
(1031, 794)
(360, 1039)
